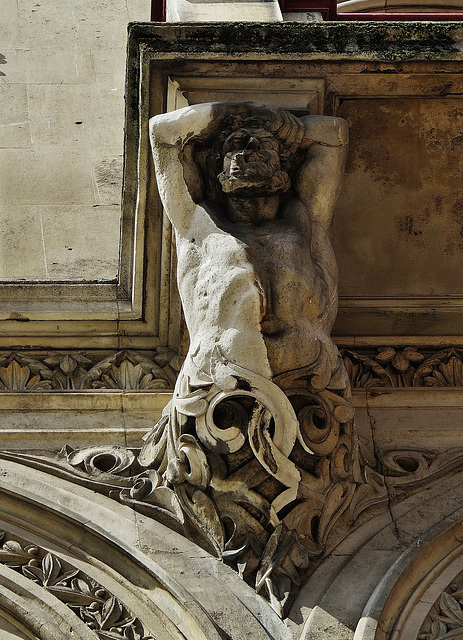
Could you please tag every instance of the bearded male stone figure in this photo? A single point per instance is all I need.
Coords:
(256, 271)
(258, 430)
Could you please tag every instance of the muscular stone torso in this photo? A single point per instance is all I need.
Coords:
(263, 279)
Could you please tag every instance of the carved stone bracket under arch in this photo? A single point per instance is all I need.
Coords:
(116, 472)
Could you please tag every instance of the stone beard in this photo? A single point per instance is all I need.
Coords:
(250, 192)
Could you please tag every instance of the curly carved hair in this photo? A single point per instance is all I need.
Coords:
(284, 126)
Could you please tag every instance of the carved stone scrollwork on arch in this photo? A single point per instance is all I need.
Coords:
(101, 611)
(147, 571)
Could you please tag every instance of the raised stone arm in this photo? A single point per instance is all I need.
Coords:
(169, 133)
(178, 177)
(319, 179)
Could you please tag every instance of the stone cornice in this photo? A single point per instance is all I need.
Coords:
(338, 40)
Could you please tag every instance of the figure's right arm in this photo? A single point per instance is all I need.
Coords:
(170, 133)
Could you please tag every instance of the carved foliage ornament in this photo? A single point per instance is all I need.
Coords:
(80, 370)
(89, 600)
(132, 370)
(405, 367)
(225, 504)
(258, 474)
(445, 620)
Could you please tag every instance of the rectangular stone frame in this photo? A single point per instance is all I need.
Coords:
(351, 61)
(308, 68)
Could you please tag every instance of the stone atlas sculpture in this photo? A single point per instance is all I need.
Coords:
(255, 458)
(256, 443)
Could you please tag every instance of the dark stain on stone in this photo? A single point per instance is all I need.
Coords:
(407, 225)
(442, 89)
(457, 211)
(457, 141)
(438, 204)
(380, 41)
(412, 225)
(457, 215)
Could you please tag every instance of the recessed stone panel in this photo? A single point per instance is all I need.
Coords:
(399, 222)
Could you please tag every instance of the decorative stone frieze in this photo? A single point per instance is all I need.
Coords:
(404, 367)
(386, 366)
(89, 600)
(88, 370)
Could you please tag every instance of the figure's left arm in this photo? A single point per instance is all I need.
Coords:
(318, 181)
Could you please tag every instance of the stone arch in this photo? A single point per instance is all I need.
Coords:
(171, 586)
(381, 582)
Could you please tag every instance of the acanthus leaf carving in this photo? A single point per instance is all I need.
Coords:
(404, 367)
(87, 371)
(84, 370)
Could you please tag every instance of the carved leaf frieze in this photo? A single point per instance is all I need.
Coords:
(80, 370)
(404, 367)
(131, 370)
(89, 600)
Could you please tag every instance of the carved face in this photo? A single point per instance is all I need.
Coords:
(251, 164)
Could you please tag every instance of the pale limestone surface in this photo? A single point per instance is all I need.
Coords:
(62, 70)
(230, 10)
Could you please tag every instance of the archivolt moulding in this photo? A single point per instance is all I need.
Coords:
(420, 604)
(395, 566)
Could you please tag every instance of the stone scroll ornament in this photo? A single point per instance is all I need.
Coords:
(255, 446)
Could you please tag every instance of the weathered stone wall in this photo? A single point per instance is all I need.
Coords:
(61, 136)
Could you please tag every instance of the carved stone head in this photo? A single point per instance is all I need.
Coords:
(251, 162)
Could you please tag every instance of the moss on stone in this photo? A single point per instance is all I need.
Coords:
(343, 40)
